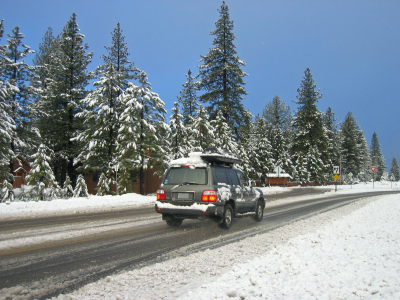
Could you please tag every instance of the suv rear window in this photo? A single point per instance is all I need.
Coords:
(186, 175)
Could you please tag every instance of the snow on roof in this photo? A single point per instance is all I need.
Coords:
(20, 168)
(281, 175)
(194, 159)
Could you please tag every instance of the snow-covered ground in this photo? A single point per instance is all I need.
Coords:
(352, 252)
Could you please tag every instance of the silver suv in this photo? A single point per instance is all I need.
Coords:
(206, 185)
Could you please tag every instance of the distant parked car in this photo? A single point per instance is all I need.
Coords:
(206, 185)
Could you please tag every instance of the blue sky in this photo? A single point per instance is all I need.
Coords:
(352, 48)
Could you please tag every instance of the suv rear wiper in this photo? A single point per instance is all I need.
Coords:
(187, 183)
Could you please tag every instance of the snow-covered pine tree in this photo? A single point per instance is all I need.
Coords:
(188, 98)
(243, 141)
(124, 182)
(138, 138)
(377, 158)
(41, 174)
(179, 146)
(41, 78)
(364, 160)
(103, 187)
(103, 107)
(300, 171)
(6, 194)
(394, 169)
(7, 125)
(70, 78)
(17, 71)
(221, 76)
(278, 116)
(223, 135)
(67, 190)
(334, 138)
(349, 144)
(310, 133)
(260, 154)
(81, 187)
(200, 130)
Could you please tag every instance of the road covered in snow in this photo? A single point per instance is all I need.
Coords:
(351, 252)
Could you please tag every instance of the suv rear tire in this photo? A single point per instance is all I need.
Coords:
(227, 217)
(259, 211)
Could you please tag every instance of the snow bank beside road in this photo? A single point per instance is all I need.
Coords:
(348, 253)
(91, 204)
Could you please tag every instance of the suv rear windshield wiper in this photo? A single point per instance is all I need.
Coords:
(188, 183)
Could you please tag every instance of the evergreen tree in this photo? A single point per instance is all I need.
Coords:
(67, 191)
(277, 113)
(201, 130)
(394, 170)
(377, 158)
(300, 169)
(311, 137)
(7, 124)
(223, 135)
(364, 161)
(179, 146)
(261, 157)
(70, 78)
(334, 140)
(103, 186)
(41, 81)
(278, 116)
(7, 193)
(81, 187)
(104, 107)
(188, 98)
(41, 174)
(139, 139)
(350, 161)
(221, 76)
(124, 182)
(17, 72)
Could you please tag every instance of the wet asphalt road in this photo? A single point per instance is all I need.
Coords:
(55, 267)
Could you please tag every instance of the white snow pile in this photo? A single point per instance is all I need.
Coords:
(89, 204)
(194, 159)
(352, 252)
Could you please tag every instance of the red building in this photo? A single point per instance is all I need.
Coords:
(20, 169)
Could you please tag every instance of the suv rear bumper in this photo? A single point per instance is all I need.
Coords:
(175, 211)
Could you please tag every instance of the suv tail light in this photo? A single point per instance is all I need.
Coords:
(161, 195)
(209, 196)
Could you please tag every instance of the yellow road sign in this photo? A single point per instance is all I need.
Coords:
(336, 176)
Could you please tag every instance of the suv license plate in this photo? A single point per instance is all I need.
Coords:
(183, 196)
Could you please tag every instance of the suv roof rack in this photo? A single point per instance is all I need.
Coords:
(218, 155)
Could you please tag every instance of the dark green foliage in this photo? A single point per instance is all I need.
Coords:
(334, 142)
(377, 159)
(350, 157)
(188, 98)
(221, 76)
(16, 73)
(7, 129)
(394, 170)
(310, 138)
(63, 93)
(104, 106)
(278, 116)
